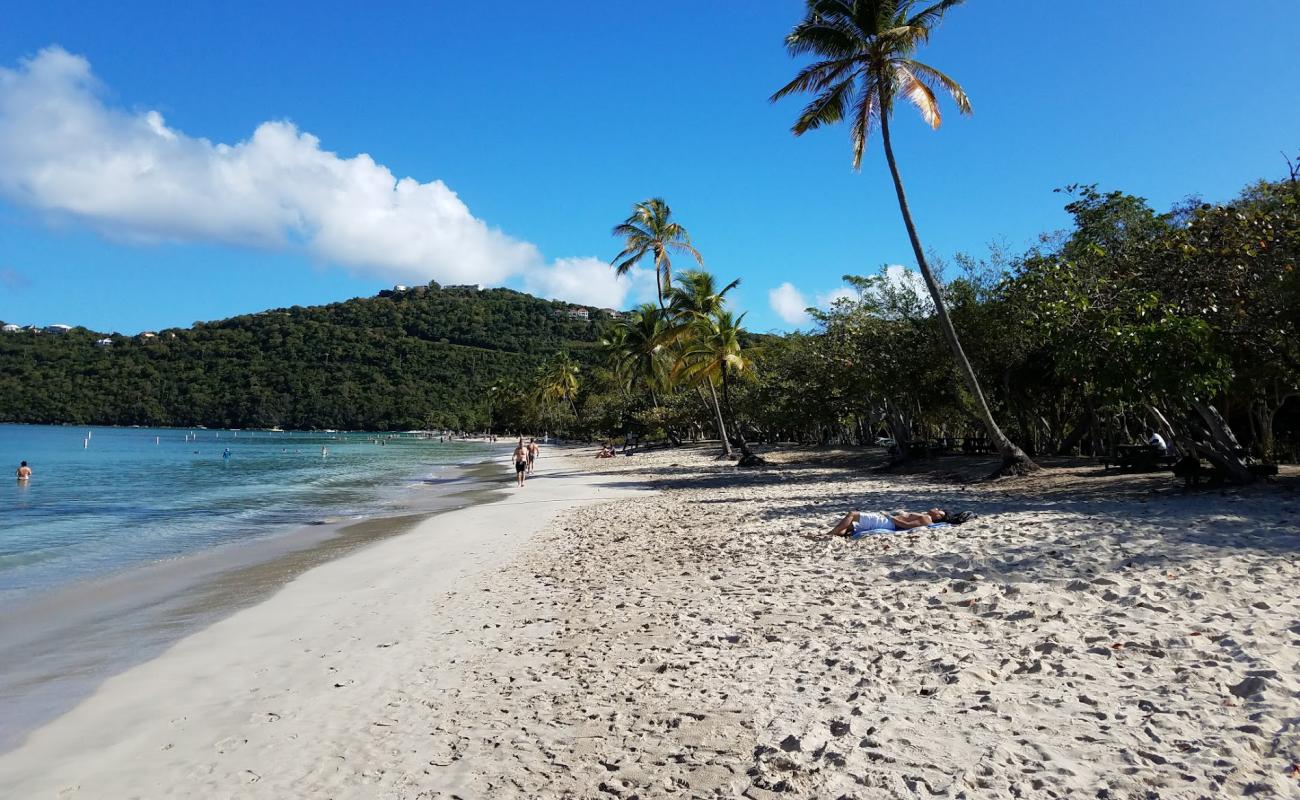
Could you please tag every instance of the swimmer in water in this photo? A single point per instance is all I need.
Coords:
(24, 472)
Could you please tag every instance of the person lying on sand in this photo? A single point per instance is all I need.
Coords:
(897, 521)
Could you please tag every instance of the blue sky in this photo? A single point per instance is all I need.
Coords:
(547, 122)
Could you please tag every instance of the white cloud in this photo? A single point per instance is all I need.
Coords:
(589, 281)
(828, 299)
(788, 303)
(67, 154)
(904, 279)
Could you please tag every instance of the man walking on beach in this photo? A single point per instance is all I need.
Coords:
(24, 472)
(522, 461)
(533, 450)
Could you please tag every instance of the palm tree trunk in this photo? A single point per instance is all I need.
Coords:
(731, 412)
(722, 428)
(1014, 459)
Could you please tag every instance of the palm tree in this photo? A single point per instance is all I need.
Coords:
(650, 230)
(865, 50)
(712, 355)
(696, 295)
(636, 348)
(558, 382)
(694, 303)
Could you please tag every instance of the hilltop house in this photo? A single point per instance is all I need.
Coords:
(105, 342)
(577, 313)
(57, 328)
(12, 328)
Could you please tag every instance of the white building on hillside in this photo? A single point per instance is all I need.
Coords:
(57, 328)
(105, 342)
(12, 328)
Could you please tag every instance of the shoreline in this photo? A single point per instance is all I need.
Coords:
(131, 616)
(215, 677)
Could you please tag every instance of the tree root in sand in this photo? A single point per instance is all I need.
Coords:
(1015, 465)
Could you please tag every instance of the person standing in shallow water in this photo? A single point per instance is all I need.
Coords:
(521, 461)
(24, 472)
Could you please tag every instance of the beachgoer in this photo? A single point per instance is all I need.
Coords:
(533, 451)
(24, 472)
(897, 521)
(1157, 442)
(521, 461)
(226, 454)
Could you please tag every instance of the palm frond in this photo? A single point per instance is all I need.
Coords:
(826, 109)
(920, 95)
(623, 267)
(930, 16)
(688, 248)
(815, 77)
(934, 78)
(628, 229)
(867, 107)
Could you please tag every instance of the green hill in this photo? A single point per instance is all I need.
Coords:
(419, 357)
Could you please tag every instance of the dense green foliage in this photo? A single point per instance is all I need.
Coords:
(427, 356)
(1131, 320)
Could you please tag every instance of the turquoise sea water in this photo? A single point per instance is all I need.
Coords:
(104, 499)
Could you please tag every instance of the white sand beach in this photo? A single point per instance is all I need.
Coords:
(1083, 637)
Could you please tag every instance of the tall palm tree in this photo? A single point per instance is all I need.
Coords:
(694, 303)
(650, 231)
(713, 354)
(864, 50)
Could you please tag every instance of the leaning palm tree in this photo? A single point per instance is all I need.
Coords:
(650, 231)
(865, 63)
(693, 304)
(712, 355)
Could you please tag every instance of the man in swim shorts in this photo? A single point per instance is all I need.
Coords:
(521, 461)
(533, 450)
(881, 520)
(24, 472)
